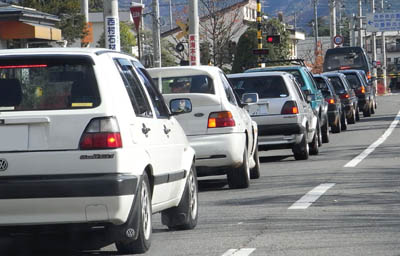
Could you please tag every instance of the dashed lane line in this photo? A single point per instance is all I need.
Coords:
(239, 252)
(312, 196)
(355, 161)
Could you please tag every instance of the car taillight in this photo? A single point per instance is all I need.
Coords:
(289, 108)
(361, 89)
(101, 133)
(344, 96)
(330, 100)
(369, 75)
(221, 119)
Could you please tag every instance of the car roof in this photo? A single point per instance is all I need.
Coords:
(288, 67)
(50, 50)
(257, 74)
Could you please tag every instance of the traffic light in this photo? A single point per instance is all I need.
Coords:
(274, 39)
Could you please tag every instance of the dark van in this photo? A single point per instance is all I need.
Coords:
(342, 58)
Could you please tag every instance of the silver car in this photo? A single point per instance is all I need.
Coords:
(283, 113)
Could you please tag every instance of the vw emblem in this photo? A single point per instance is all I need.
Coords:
(3, 164)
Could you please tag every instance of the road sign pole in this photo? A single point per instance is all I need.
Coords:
(384, 62)
(374, 71)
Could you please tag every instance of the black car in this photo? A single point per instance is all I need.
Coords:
(347, 95)
(336, 117)
(364, 91)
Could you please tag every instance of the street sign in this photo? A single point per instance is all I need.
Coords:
(261, 51)
(112, 33)
(338, 40)
(378, 22)
(192, 49)
(136, 11)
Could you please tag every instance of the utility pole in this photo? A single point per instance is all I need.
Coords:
(316, 26)
(374, 71)
(170, 15)
(333, 21)
(360, 35)
(259, 26)
(353, 30)
(156, 34)
(111, 25)
(384, 61)
(85, 13)
(194, 45)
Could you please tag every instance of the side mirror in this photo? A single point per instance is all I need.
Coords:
(309, 98)
(180, 106)
(250, 98)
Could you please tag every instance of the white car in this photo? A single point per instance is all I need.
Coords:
(87, 141)
(219, 129)
(283, 113)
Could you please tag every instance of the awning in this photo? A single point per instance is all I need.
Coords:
(20, 30)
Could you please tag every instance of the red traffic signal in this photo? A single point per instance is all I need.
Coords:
(274, 39)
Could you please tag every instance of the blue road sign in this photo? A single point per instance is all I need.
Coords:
(378, 22)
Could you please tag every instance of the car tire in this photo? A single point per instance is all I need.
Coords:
(314, 145)
(367, 112)
(301, 151)
(337, 126)
(325, 133)
(357, 114)
(143, 241)
(344, 121)
(373, 108)
(239, 177)
(255, 171)
(352, 119)
(185, 215)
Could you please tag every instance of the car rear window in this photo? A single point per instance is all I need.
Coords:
(266, 87)
(47, 83)
(186, 84)
(354, 81)
(337, 83)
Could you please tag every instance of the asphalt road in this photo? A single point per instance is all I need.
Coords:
(331, 204)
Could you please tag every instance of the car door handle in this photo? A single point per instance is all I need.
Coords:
(166, 130)
(145, 129)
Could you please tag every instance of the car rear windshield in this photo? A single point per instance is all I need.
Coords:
(337, 84)
(345, 58)
(186, 84)
(354, 81)
(266, 87)
(47, 83)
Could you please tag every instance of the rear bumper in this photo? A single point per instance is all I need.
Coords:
(63, 199)
(279, 136)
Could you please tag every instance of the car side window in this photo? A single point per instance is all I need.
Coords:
(298, 89)
(228, 89)
(133, 86)
(313, 84)
(155, 96)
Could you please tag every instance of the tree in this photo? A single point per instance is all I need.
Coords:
(323, 27)
(281, 50)
(219, 25)
(127, 39)
(71, 21)
(244, 57)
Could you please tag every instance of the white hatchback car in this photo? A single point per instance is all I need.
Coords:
(284, 116)
(87, 141)
(218, 127)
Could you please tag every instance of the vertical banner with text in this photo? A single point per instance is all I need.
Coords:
(112, 33)
(136, 12)
(194, 58)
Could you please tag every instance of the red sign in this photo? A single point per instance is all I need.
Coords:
(192, 50)
(136, 12)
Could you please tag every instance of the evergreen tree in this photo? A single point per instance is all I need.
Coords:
(244, 57)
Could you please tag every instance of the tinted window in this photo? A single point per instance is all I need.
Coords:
(337, 84)
(323, 86)
(353, 80)
(134, 89)
(186, 84)
(345, 58)
(266, 87)
(47, 83)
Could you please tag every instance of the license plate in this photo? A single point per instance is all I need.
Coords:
(257, 110)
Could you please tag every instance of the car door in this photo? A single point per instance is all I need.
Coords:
(305, 108)
(146, 130)
(171, 133)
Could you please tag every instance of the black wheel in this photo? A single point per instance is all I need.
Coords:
(314, 145)
(301, 151)
(325, 132)
(143, 241)
(240, 177)
(319, 138)
(343, 121)
(357, 114)
(255, 171)
(373, 108)
(352, 119)
(184, 216)
(367, 112)
(337, 126)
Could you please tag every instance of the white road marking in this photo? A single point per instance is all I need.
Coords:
(239, 252)
(312, 196)
(355, 161)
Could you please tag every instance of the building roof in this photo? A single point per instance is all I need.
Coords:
(18, 13)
